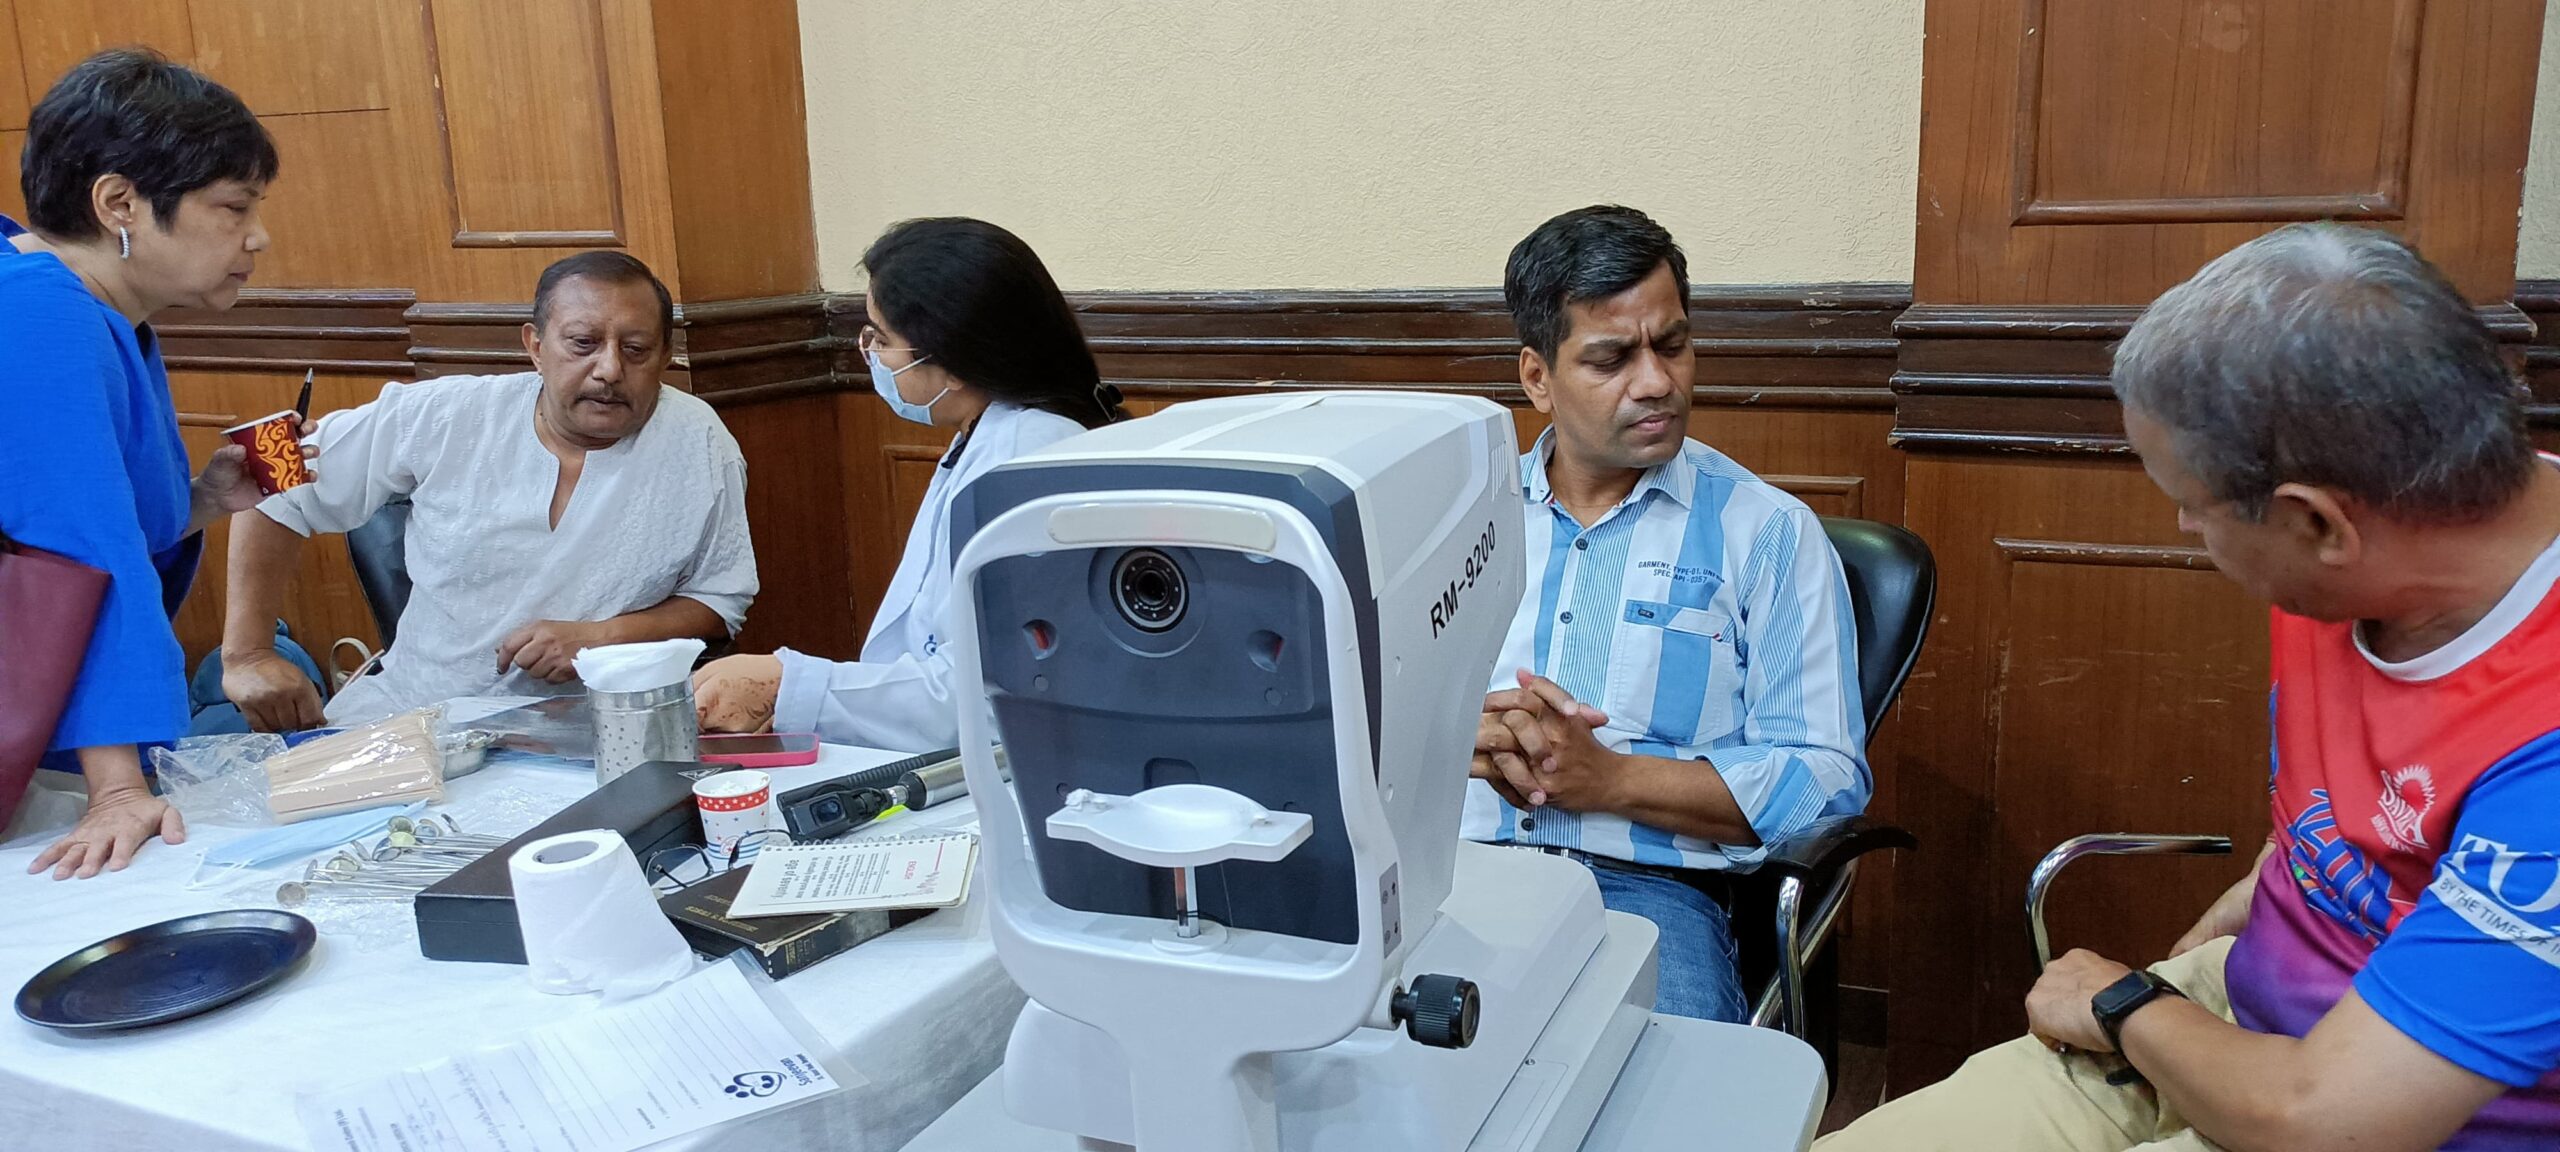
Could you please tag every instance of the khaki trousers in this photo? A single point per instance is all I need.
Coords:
(2023, 1097)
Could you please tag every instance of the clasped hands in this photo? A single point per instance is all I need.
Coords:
(1535, 746)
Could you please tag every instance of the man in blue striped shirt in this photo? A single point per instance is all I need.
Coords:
(1680, 686)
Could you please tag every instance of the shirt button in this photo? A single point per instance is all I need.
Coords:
(1528, 823)
(1581, 545)
(1566, 618)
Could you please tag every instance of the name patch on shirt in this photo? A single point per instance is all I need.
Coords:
(1676, 573)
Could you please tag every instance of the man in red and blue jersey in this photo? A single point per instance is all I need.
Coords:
(2336, 423)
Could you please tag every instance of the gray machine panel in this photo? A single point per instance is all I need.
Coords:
(1314, 492)
(1087, 711)
(1080, 697)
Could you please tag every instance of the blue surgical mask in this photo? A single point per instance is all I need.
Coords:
(294, 841)
(884, 380)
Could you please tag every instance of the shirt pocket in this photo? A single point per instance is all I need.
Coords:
(1676, 672)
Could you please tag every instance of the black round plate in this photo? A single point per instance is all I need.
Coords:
(168, 971)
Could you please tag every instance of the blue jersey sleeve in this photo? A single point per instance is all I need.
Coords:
(2473, 972)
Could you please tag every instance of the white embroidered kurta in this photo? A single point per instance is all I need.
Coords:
(662, 513)
(898, 696)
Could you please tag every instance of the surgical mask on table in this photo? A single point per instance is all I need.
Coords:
(294, 841)
(884, 380)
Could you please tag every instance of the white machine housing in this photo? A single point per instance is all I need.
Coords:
(1235, 651)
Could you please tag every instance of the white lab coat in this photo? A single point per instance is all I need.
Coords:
(898, 696)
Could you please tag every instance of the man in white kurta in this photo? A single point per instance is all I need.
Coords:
(543, 520)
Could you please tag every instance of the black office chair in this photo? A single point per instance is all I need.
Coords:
(379, 549)
(1805, 880)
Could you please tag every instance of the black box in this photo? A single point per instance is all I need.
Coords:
(471, 915)
(781, 945)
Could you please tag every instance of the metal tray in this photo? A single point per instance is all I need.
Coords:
(168, 971)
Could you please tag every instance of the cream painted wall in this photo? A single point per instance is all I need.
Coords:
(1190, 144)
(2538, 232)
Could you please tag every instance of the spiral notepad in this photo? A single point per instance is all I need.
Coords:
(859, 875)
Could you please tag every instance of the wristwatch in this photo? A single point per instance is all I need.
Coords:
(2116, 1002)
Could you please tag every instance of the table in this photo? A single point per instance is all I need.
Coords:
(922, 1012)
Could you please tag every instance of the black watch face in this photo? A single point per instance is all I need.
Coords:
(2123, 996)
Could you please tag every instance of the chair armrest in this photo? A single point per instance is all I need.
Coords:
(1814, 870)
(2104, 844)
(1826, 844)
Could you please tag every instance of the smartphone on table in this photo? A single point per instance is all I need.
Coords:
(759, 750)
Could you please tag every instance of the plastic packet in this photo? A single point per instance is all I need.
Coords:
(216, 779)
(368, 924)
(393, 759)
(562, 726)
(371, 922)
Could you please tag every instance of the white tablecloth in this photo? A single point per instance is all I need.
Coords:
(922, 1012)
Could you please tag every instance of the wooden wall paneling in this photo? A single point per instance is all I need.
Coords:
(729, 81)
(641, 158)
(2293, 111)
(286, 330)
(566, 178)
(750, 351)
(2079, 152)
(351, 204)
(468, 339)
(17, 93)
(526, 181)
(886, 464)
(2085, 673)
(2540, 302)
(2091, 619)
(796, 510)
(53, 35)
(13, 202)
(297, 56)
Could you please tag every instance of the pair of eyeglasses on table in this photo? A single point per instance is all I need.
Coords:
(685, 865)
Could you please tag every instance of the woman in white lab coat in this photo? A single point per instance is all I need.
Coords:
(967, 331)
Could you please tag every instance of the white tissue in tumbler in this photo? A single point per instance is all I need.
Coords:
(636, 667)
(590, 922)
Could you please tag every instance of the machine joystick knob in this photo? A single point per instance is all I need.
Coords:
(1438, 1010)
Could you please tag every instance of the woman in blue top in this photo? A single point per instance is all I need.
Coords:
(142, 182)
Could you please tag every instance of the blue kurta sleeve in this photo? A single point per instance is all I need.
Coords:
(66, 487)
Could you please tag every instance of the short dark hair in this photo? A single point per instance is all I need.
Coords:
(603, 266)
(978, 300)
(1586, 254)
(2337, 356)
(130, 112)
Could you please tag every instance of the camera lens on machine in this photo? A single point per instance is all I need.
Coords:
(1148, 589)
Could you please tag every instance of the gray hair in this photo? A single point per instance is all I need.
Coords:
(2335, 356)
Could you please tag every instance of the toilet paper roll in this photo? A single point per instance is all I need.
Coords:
(590, 922)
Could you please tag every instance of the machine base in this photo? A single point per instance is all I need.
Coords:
(1550, 1105)
(1690, 1084)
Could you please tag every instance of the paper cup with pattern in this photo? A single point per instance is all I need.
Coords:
(275, 451)
(734, 804)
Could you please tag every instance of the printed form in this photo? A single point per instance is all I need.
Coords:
(699, 1052)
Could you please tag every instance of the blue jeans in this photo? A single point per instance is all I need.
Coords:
(1698, 976)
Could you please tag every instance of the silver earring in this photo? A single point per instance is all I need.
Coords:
(126, 239)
